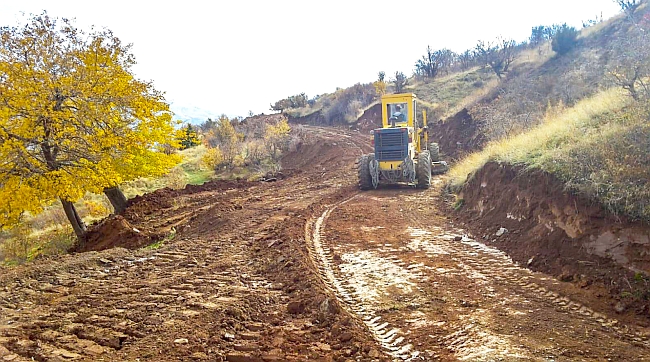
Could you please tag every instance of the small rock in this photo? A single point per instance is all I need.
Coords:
(295, 307)
(181, 341)
(373, 353)
(277, 341)
(70, 355)
(273, 355)
(326, 308)
(239, 357)
(249, 336)
(323, 347)
(277, 286)
(136, 230)
(199, 355)
(584, 281)
(458, 238)
(501, 231)
(229, 336)
(94, 349)
(105, 261)
(565, 276)
(345, 336)
(255, 327)
(10, 357)
(620, 307)
(245, 347)
(530, 261)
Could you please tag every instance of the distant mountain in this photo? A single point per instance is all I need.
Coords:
(193, 115)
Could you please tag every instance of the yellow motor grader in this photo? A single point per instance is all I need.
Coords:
(402, 152)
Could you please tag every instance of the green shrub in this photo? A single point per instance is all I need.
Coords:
(565, 39)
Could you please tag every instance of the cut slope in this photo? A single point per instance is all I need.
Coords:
(598, 148)
(553, 231)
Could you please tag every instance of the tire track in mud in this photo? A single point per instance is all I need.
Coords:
(472, 286)
(488, 263)
(493, 267)
(477, 258)
(391, 339)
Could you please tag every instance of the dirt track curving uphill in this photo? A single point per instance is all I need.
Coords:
(306, 268)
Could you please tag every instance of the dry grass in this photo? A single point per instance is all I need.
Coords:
(450, 93)
(599, 148)
(472, 98)
(49, 232)
(597, 28)
(189, 171)
(535, 56)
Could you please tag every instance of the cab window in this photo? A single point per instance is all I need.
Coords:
(397, 112)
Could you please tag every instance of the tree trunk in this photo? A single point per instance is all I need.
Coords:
(117, 198)
(77, 224)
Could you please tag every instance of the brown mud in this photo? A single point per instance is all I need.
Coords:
(308, 268)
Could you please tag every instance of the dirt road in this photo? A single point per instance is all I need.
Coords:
(305, 268)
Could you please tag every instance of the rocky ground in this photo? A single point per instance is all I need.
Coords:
(306, 268)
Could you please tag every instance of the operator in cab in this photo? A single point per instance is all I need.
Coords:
(398, 116)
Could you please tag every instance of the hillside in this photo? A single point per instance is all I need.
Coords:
(561, 159)
(578, 121)
(259, 244)
(469, 108)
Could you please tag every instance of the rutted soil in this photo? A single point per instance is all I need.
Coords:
(303, 269)
(555, 232)
(234, 283)
(428, 292)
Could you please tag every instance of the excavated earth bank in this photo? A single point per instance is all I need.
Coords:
(555, 232)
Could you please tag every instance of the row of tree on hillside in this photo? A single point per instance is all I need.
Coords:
(256, 142)
(498, 54)
(616, 54)
(238, 141)
(345, 104)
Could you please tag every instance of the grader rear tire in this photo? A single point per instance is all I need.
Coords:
(434, 150)
(365, 179)
(423, 170)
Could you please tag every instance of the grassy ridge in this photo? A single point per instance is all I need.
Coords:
(449, 94)
(599, 148)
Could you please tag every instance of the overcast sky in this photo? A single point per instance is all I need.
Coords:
(235, 56)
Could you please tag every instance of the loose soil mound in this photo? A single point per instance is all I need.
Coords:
(140, 224)
(555, 232)
(370, 119)
(114, 231)
(457, 135)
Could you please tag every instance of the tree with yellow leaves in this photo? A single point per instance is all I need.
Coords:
(226, 138)
(277, 138)
(187, 137)
(73, 119)
(380, 84)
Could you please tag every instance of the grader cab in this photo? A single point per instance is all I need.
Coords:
(402, 152)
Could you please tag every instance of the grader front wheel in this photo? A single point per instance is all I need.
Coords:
(365, 177)
(423, 170)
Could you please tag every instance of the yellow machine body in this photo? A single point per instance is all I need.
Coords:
(407, 103)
